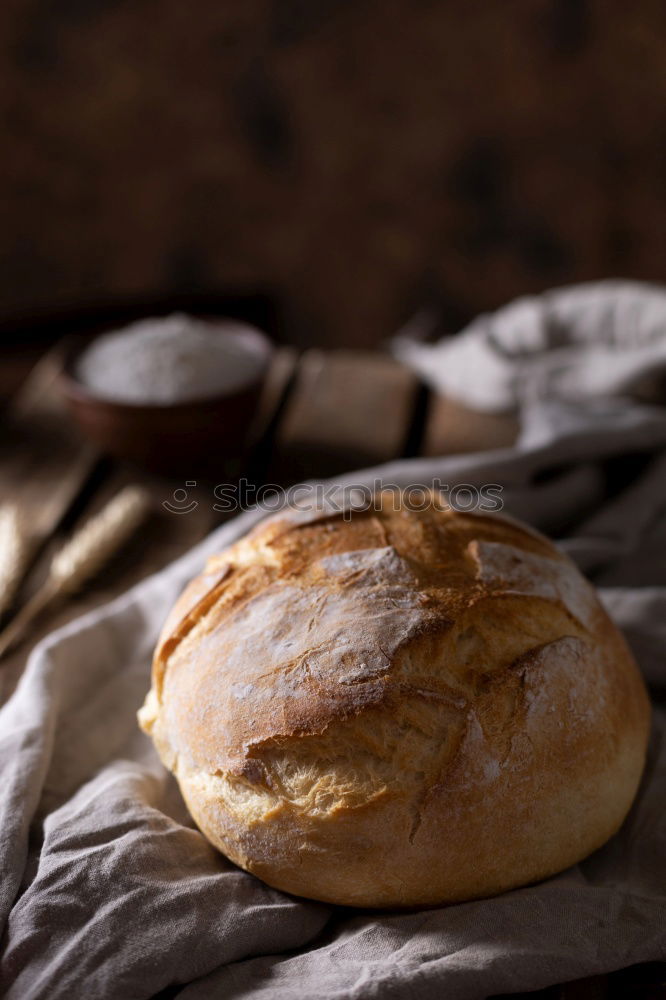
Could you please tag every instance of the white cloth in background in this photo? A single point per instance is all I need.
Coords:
(575, 343)
(108, 891)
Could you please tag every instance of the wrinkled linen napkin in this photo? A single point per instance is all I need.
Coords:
(109, 891)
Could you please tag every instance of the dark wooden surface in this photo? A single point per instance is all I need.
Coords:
(351, 156)
(321, 413)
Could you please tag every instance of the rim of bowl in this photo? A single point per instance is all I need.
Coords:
(261, 346)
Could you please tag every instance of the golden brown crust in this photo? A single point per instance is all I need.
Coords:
(401, 708)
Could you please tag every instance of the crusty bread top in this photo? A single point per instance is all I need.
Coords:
(312, 620)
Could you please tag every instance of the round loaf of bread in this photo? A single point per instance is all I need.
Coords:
(398, 707)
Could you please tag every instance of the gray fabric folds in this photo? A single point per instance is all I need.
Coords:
(108, 890)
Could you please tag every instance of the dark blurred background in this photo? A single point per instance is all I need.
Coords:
(352, 159)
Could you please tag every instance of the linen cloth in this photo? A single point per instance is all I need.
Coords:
(108, 890)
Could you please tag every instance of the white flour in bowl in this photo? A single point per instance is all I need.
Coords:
(174, 359)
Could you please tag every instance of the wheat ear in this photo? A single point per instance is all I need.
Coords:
(82, 557)
(14, 553)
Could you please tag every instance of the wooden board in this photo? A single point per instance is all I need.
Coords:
(44, 463)
(452, 429)
(347, 409)
(280, 374)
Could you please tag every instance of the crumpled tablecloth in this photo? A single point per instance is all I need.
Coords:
(107, 889)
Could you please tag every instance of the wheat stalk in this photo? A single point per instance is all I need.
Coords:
(103, 535)
(82, 557)
(14, 553)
